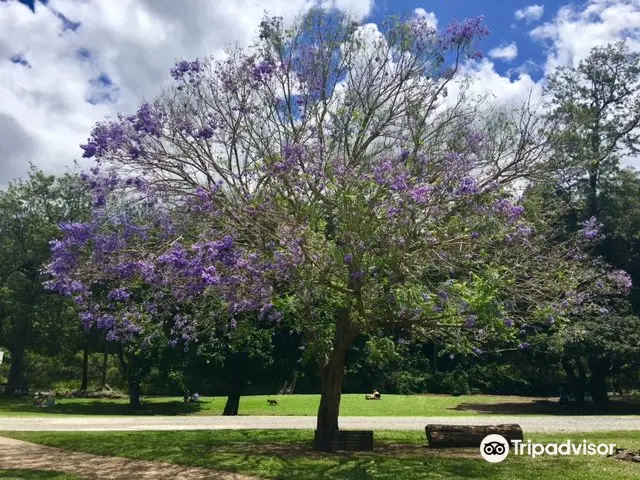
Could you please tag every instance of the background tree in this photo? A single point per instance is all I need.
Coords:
(30, 212)
(596, 112)
(596, 109)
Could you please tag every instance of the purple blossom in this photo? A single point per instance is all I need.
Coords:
(603, 311)
(464, 33)
(87, 319)
(357, 274)
(622, 279)
(508, 209)
(105, 137)
(590, 229)
(148, 120)
(508, 322)
(205, 133)
(467, 186)
(106, 322)
(348, 259)
(263, 70)
(524, 345)
(470, 321)
(276, 317)
(187, 69)
(118, 295)
(421, 194)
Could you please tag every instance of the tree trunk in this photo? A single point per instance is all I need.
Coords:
(16, 370)
(599, 369)
(85, 366)
(434, 358)
(582, 384)
(105, 359)
(330, 391)
(232, 405)
(131, 371)
(332, 374)
(134, 392)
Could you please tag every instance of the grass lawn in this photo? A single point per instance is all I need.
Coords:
(286, 454)
(352, 405)
(20, 474)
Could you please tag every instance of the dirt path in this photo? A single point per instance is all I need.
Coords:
(19, 454)
(540, 423)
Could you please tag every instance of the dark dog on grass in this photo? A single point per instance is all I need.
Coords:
(272, 402)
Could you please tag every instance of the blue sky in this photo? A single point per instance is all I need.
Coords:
(499, 17)
(66, 64)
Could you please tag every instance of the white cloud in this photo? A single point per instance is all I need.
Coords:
(575, 31)
(44, 114)
(430, 17)
(530, 13)
(501, 89)
(504, 52)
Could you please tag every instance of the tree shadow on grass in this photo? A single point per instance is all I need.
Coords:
(617, 406)
(100, 407)
(300, 460)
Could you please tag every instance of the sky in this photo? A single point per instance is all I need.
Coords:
(66, 64)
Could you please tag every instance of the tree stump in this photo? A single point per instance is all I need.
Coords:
(352, 440)
(447, 436)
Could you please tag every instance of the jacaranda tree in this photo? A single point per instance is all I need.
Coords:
(321, 175)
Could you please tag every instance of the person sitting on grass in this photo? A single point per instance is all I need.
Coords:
(373, 396)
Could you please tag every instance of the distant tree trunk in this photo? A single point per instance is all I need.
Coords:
(570, 373)
(16, 370)
(131, 371)
(598, 386)
(134, 392)
(434, 358)
(582, 384)
(85, 366)
(105, 359)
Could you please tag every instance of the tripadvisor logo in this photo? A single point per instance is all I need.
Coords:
(495, 448)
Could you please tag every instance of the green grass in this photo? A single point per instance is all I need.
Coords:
(287, 454)
(21, 474)
(352, 405)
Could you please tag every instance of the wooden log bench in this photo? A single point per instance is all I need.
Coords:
(353, 440)
(451, 436)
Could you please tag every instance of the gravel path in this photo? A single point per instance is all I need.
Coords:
(529, 424)
(24, 455)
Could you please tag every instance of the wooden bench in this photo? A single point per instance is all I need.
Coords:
(352, 440)
(448, 436)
